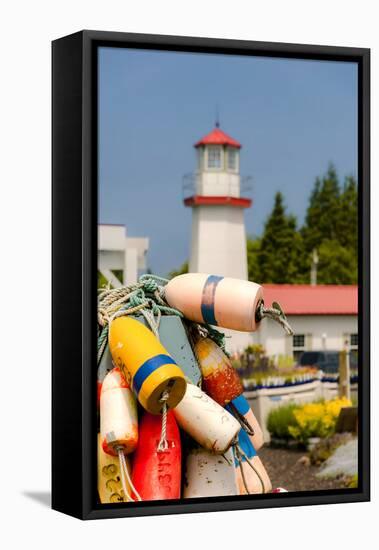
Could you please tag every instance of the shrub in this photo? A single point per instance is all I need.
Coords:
(300, 422)
(280, 420)
(317, 419)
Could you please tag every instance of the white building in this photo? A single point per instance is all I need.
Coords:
(120, 253)
(323, 317)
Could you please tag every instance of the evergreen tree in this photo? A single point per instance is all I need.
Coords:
(280, 246)
(337, 264)
(331, 226)
(253, 267)
(323, 212)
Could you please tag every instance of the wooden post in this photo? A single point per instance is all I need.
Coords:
(344, 371)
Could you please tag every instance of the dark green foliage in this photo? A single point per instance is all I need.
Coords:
(280, 419)
(280, 247)
(175, 272)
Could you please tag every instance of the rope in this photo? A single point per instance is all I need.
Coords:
(126, 477)
(163, 443)
(275, 313)
(241, 454)
(144, 297)
(246, 426)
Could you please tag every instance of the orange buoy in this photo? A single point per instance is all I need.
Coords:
(118, 414)
(220, 379)
(221, 301)
(209, 424)
(156, 475)
(222, 383)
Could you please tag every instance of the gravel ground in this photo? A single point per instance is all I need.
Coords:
(286, 471)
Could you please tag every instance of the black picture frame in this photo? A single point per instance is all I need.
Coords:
(74, 269)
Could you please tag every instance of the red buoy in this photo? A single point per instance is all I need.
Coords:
(156, 475)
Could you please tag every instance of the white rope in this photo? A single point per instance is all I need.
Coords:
(126, 477)
(163, 443)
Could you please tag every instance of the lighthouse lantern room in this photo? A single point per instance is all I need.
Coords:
(218, 244)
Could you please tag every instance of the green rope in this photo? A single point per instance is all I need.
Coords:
(144, 297)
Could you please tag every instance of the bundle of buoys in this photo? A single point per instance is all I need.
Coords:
(206, 402)
(156, 474)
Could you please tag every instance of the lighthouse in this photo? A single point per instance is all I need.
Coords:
(218, 243)
(213, 191)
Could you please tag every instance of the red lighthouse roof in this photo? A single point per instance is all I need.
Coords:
(218, 137)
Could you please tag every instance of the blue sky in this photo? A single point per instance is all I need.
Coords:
(292, 117)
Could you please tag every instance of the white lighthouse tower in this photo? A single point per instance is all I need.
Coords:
(218, 244)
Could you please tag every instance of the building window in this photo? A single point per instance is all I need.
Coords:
(353, 341)
(298, 345)
(232, 159)
(214, 157)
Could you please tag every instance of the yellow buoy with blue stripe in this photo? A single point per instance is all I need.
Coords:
(146, 364)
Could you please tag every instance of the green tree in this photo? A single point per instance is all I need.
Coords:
(323, 213)
(253, 266)
(337, 264)
(280, 246)
(331, 227)
(180, 271)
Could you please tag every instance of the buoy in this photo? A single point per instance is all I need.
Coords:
(209, 475)
(118, 414)
(118, 424)
(157, 474)
(146, 364)
(104, 367)
(220, 379)
(209, 424)
(222, 383)
(173, 336)
(109, 483)
(252, 477)
(215, 300)
(240, 407)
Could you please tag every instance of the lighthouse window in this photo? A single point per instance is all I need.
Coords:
(214, 157)
(232, 159)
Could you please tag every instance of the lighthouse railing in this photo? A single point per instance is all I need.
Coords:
(222, 184)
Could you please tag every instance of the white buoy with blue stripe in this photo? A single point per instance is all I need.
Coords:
(216, 300)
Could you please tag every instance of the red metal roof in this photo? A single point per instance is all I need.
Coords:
(313, 300)
(216, 200)
(218, 137)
